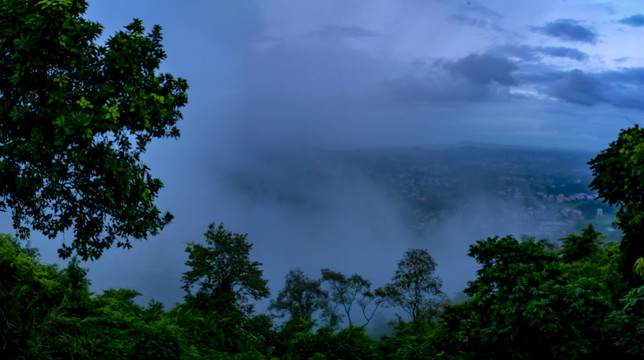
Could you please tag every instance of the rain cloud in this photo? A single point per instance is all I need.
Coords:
(568, 30)
(484, 69)
(635, 20)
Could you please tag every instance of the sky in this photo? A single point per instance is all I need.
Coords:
(272, 81)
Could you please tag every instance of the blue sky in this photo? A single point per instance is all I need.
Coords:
(284, 77)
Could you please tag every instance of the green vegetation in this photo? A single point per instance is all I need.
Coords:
(414, 284)
(530, 300)
(619, 179)
(222, 271)
(346, 291)
(76, 118)
(303, 298)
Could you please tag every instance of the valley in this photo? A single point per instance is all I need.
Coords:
(549, 187)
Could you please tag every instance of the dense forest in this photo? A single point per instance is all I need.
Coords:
(531, 299)
(76, 118)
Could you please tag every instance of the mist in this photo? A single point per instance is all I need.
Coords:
(305, 208)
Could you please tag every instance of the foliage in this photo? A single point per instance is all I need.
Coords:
(410, 341)
(219, 285)
(525, 303)
(626, 324)
(528, 301)
(33, 301)
(48, 312)
(76, 117)
(303, 298)
(221, 271)
(210, 331)
(348, 344)
(414, 286)
(619, 180)
(576, 247)
(121, 329)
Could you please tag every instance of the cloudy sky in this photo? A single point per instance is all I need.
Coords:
(278, 77)
(360, 73)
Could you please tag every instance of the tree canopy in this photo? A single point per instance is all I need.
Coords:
(75, 118)
(347, 290)
(619, 179)
(528, 301)
(415, 286)
(221, 269)
(302, 298)
(576, 247)
(527, 304)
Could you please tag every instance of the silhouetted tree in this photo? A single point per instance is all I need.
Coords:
(528, 304)
(345, 291)
(414, 287)
(221, 271)
(576, 247)
(302, 298)
(619, 180)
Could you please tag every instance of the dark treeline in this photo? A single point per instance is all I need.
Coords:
(530, 300)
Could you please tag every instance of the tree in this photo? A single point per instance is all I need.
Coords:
(619, 179)
(345, 291)
(626, 324)
(41, 306)
(221, 271)
(122, 329)
(301, 298)
(76, 117)
(576, 247)
(414, 285)
(528, 304)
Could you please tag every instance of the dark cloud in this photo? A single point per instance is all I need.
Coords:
(536, 53)
(622, 89)
(333, 32)
(474, 78)
(484, 69)
(567, 29)
(631, 76)
(437, 88)
(635, 20)
(563, 52)
(578, 88)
